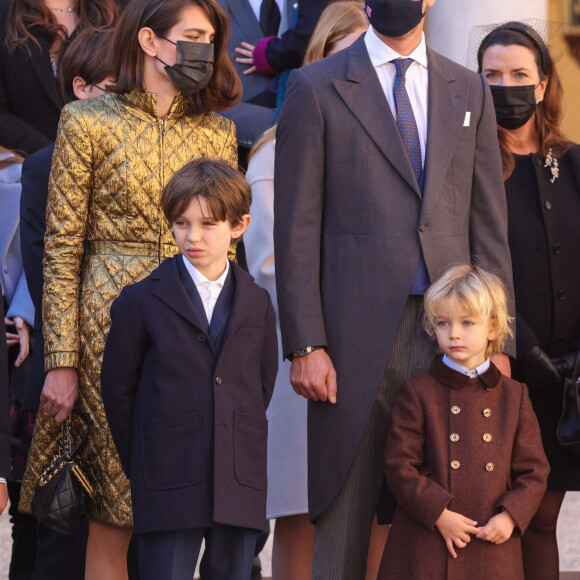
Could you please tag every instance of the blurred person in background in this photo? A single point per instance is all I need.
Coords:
(19, 321)
(34, 36)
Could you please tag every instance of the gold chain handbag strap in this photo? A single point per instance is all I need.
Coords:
(65, 455)
(66, 439)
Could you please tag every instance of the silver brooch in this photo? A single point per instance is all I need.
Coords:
(552, 163)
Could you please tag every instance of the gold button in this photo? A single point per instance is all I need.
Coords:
(455, 410)
(487, 437)
(486, 412)
(455, 464)
(454, 437)
(489, 466)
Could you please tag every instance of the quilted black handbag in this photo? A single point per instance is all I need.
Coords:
(59, 499)
(568, 431)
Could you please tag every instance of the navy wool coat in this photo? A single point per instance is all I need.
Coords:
(189, 421)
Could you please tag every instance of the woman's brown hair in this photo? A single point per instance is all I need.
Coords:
(224, 89)
(549, 111)
(338, 20)
(14, 158)
(26, 15)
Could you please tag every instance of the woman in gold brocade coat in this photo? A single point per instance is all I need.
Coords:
(105, 228)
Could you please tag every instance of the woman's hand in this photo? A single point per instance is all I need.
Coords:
(21, 336)
(498, 530)
(60, 392)
(247, 51)
(455, 530)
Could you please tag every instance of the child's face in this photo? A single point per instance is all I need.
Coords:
(462, 336)
(203, 240)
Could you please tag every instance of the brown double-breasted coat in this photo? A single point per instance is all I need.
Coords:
(471, 445)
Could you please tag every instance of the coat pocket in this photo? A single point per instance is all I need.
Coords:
(173, 452)
(250, 449)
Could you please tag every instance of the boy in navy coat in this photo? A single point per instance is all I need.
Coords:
(188, 372)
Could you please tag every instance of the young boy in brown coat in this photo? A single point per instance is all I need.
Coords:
(464, 456)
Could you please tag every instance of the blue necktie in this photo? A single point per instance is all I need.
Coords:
(406, 119)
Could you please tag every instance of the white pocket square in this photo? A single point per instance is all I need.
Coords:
(467, 119)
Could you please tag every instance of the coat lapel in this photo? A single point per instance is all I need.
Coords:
(40, 62)
(223, 309)
(246, 294)
(447, 105)
(245, 17)
(170, 290)
(192, 291)
(363, 95)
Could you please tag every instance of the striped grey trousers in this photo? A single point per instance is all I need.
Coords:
(343, 530)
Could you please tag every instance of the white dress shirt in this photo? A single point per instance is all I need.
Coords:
(471, 373)
(209, 290)
(257, 4)
(416, 79)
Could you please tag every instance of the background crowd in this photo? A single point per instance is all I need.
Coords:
(310, 101)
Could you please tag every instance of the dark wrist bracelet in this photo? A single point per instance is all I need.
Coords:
(304, 351)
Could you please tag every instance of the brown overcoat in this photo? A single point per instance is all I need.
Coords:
(469, 444)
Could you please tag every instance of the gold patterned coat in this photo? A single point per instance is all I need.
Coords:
(105, 229)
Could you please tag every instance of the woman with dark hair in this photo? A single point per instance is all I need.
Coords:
(34, 35)
(542, 181)
(105, 228)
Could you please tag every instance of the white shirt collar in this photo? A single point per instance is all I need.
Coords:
(199, 278)
(380, 53)
(478, 370)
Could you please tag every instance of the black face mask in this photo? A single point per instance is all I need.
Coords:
(394, 18)
(514, 106)
(193, 66)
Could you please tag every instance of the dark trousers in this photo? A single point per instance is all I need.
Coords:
(61, 556)
(342, 535)
(228, 555)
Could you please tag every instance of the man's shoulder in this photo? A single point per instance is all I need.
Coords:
(325, 70)
(245, 284)
(452, 68)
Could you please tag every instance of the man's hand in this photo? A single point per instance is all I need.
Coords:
(502, 362)
(313, 376)
(60, 392)
(247, 51)
(455, 529)
(498, 530)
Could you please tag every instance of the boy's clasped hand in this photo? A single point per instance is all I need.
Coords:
(456, 529)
